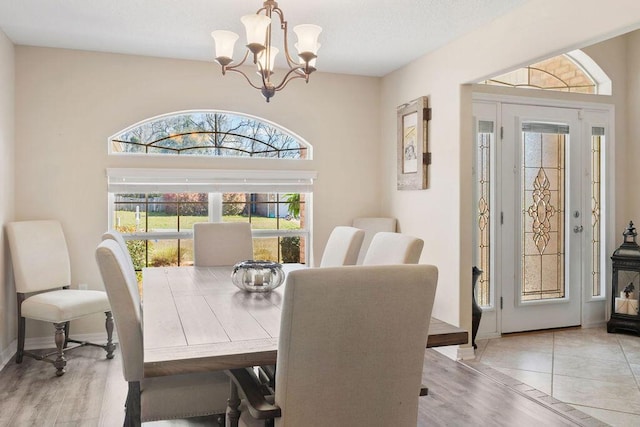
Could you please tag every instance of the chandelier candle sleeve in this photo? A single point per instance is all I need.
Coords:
(258, 29)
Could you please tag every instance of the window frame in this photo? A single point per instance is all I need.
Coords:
(162, 181)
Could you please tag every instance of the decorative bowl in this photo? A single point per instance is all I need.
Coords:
(257, 276)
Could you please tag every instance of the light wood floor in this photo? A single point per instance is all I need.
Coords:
(92, 393)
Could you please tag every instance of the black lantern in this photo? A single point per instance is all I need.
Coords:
(626, 284)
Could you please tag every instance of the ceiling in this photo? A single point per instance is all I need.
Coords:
(362, 37)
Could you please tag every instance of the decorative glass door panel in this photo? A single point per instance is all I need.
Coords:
(597, 141)
(543, 201)
(485, 141)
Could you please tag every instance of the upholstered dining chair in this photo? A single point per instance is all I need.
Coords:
(393, 248)
(345, 359)
(342, 247)
(221, 243)
(157, 398)
(117, 237)
(42, 272)
(371, 226)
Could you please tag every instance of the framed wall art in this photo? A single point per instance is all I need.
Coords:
(413, 154)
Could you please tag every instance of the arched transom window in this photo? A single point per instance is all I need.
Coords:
(571, 72)
(209, 133)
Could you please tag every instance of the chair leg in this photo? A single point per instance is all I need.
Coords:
(60, 361)
(233, 407)
(66, 334)
(110, 347)
(132, 416)
(21, 331)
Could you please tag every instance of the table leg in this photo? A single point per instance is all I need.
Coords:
(233, 406)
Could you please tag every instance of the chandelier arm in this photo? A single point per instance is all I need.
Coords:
(232, 67)
(246, 77)
(284, 83)
(288, 77)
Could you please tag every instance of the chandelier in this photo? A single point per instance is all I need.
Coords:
(263, 54)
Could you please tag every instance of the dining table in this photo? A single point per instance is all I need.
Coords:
(196, 320)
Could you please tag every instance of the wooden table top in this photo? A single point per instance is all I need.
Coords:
(196, 320)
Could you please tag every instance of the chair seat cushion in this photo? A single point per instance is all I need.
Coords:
(64, 305)
(184, 396)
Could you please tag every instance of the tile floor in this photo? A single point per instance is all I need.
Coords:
(595, 372)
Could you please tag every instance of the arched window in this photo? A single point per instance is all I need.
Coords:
(209, 133)
(155, 208)
(571, 72)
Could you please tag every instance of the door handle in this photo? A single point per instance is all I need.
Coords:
(578, 229)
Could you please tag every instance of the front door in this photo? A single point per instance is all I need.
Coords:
(542, 218)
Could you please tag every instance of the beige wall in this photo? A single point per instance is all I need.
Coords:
(611, 56)
(69, 102)
(7, 290)
(632, 157)
(442, 215)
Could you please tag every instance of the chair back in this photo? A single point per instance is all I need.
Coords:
(39, 255)
(393, 248)
(342, 247)
(351, 346)
(124, 298)
(117, 237)
(371, 226)
(221, 243)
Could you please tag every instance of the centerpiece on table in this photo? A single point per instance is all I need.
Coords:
(257, 276)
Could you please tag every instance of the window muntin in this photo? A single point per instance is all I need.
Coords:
(209, 133)
(158, 227)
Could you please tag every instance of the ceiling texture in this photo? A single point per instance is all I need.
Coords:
(362, 37)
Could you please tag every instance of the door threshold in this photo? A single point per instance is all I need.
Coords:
(540, 331)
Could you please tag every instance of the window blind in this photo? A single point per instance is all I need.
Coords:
(129, 180)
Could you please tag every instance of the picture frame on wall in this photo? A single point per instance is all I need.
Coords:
(413, 154)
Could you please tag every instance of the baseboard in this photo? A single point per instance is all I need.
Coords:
(599, 324)
(8, 353)
(488, 336)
